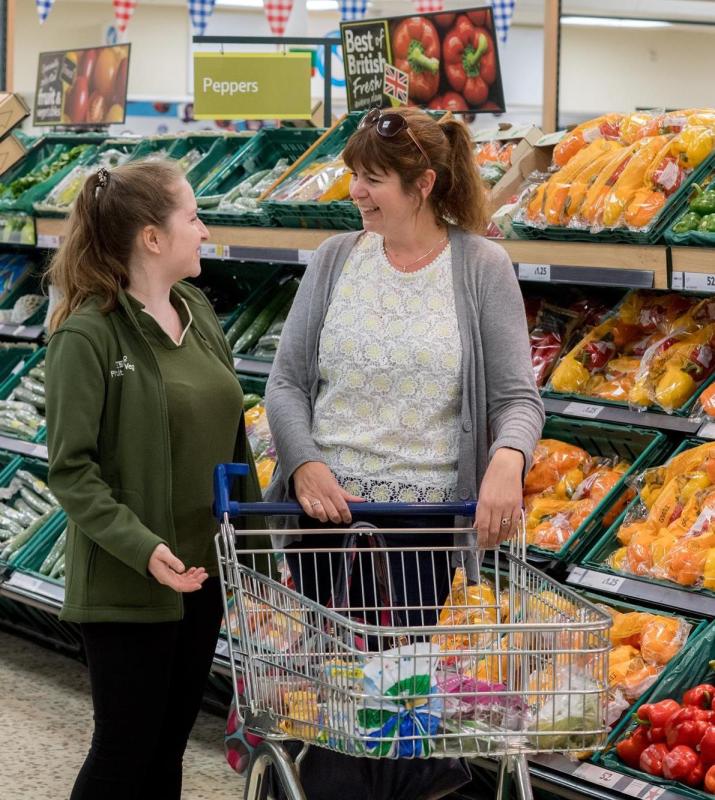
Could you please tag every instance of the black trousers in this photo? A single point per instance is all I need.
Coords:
(418, 581)
(147, 683)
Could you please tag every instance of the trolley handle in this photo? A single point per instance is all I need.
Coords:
(225, 473)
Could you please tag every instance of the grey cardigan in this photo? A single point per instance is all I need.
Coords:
(501, 406)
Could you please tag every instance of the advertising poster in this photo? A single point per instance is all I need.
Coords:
(82, 87)
(438, 61)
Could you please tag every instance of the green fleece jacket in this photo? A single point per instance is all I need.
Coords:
(110, 459)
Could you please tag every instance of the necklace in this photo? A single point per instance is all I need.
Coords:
(405, 267)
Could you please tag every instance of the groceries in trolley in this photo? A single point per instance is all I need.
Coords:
(512, 664)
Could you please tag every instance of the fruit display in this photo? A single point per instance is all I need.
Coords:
(667, 533)
(95, 83)
(617, 172)
(670, 741)
(563, 488)
(22, 413)
(59, 157)
(554, 320)
(654, 350)
(257, 329)
(696, 225)
(493, 159)
(27, 506)
(261, 441)
(63, 195)
(321, 180)
(244, 196)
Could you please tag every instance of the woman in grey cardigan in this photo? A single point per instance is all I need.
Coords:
(403, 371)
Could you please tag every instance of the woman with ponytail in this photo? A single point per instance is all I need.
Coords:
(404, 369)
(142, 402)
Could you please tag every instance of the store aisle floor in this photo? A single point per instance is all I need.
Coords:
(46, 725)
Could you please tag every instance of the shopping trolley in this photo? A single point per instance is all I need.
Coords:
(509, 663)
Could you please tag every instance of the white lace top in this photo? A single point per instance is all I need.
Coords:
(387, 414)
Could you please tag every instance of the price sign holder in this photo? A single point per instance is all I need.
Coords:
(534, 272)
(693, 281)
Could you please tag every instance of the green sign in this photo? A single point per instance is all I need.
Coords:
(252, 86)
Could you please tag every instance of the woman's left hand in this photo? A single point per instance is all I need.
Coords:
(500, 499)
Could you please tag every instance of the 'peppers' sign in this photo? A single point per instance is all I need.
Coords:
(438, 61)
(252, 86)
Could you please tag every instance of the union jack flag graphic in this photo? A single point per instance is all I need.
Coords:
(396, 83)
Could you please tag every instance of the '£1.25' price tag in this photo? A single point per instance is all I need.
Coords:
(534, 272)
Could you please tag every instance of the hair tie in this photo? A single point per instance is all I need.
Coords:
(102, 180)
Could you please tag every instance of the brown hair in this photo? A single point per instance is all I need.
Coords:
(110, 210)
(458, 194)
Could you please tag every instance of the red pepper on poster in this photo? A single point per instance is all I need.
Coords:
(470, 60)
(416, 51)
(449, 101)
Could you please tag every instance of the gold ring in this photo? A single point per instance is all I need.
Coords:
(315, 503)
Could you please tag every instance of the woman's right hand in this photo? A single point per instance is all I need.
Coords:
(321, 495)
(169, 571)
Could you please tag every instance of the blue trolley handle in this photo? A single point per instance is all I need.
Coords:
(225, 473)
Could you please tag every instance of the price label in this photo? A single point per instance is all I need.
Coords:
(37, 586)
(39, 451)
(640, 789)
(588, 410)
(305, 256)
(222, 648)
(698, 282)
(214, 251)
(534, 272)
(707, 430)
(593, 774)
(596, 580)
(48, 241)
(676, 281)
(19, 330)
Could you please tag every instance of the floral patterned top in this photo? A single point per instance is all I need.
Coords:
(387, 414)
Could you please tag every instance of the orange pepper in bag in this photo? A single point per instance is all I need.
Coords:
(552, 460)
(662, 638)
(707, 400)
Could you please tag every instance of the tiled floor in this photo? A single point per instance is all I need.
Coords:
(46, 725)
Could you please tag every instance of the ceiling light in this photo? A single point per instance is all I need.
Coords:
(613, 22)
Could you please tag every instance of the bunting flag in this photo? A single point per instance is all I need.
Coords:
(503, 10)
(277, 13)
(201, 11)
(429, 6)
(43, 8)
(123, 10)
(352, 9)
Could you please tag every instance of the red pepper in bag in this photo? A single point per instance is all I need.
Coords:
(707, 746)
(415, 47)
(651, 760)
(595, 355)
(470, 60)
(683, 764)
(629, 750)
(703, 694)
(657, 714)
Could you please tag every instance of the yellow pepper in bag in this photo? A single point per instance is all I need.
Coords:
(674, 388)
(693, 145)
(569, 376)
(709, 570)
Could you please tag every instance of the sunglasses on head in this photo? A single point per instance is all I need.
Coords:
(388, 124)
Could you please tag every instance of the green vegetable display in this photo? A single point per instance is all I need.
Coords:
(247, 340)
(707, 224)
(689, 222)
(43, 171)
(703, 202)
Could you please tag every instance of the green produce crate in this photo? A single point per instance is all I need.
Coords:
(221, 152)
(202, 142)
(46, 151)
(152, 146)
(639, 446)
(43, 209)
(688, 669)
(13, 358)
(261, 289)
(30, 556)
(336, 214)
(607, 544)
(663, 221)
(691, 238)
(18, 228)
(697, 627)
(263, 151)
(14, 379)
(24, 555)
(253, 384)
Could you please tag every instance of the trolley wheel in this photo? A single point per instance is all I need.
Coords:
(270, 762)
